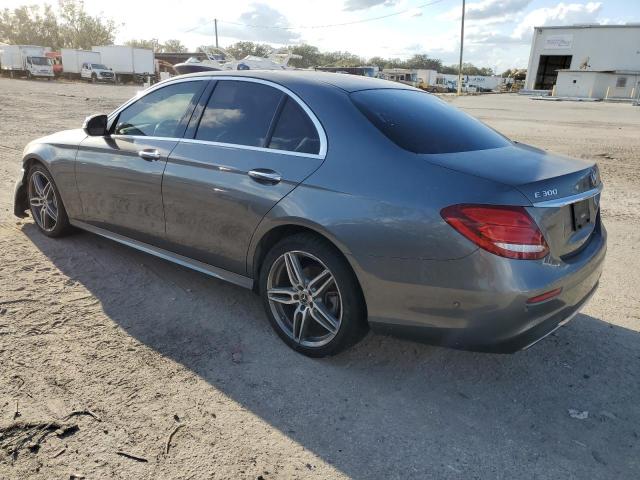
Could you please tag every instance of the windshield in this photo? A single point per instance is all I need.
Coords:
(98, 66)
(422, 123)
(39, 61)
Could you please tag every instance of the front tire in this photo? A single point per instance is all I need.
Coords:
(45, 203)
(311, 296)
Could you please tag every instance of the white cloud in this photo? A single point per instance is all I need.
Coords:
(494, 8)
(561, 14)
(488, 10)
(260, 14)
(352, 5)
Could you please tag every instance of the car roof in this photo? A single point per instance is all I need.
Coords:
(290, 78)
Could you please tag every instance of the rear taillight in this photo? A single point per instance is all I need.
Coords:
(504, 230)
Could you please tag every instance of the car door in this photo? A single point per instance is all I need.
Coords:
(119, 176)
(253, 142)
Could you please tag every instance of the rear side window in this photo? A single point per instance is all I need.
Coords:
(239, 113)
(422, 123)
(295, 131)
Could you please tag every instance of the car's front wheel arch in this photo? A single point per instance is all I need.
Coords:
(21, 198)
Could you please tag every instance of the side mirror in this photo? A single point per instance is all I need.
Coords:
(95, 125)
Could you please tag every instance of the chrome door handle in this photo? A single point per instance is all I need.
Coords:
(265, 176)
(149, 154)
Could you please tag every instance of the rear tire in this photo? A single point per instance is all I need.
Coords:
(45, 203)
(320, 310)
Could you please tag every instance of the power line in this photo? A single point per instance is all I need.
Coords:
(311, 27)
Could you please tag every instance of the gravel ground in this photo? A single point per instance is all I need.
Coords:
(137, 347)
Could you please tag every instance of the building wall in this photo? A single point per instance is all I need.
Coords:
(584, 84)
(602, 47)
(578, 84)
(610, 80)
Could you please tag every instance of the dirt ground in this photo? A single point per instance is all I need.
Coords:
(139, 346)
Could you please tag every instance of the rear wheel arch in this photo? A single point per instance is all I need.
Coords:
(280, 232)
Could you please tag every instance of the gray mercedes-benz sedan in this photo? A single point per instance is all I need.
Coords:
(345, 202)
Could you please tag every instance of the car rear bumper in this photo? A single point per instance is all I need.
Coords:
(479, 302)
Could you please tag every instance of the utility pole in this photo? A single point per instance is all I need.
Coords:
(215, 27)
(461, 45)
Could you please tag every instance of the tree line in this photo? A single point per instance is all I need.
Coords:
(313, 57)
(70, 26)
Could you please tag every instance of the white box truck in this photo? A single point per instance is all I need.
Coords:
(426, 78)
(85, 64)
(128, 63)
(73, 59)
(29, 60)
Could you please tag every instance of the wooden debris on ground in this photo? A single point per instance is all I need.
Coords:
(131, 456)
(170, 437)
(31, 435)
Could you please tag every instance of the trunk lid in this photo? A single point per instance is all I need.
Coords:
(563, 191)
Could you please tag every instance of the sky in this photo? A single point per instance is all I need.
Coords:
(497, 32)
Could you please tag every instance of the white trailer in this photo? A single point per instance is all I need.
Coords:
(484, 83)
(426, 78)
(29, 60)
(128, 63)
(73, 59)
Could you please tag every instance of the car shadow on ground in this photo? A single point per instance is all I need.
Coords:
(387, 408)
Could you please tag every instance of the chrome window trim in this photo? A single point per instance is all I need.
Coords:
(322, 153)
(219, 144)
(561, 202)
(250, 147)
(145, 137)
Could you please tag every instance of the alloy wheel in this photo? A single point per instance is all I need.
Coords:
(304, 298)
(43, 201)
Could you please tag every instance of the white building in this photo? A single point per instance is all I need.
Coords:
(585, 60)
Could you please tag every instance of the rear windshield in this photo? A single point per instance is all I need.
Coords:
(422, 123)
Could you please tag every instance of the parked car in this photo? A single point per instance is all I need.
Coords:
(345, 202)
(96, 72)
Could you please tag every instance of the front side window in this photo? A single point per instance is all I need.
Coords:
(160, 113)
(295, 131)
(239, 113)
(422, 123)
